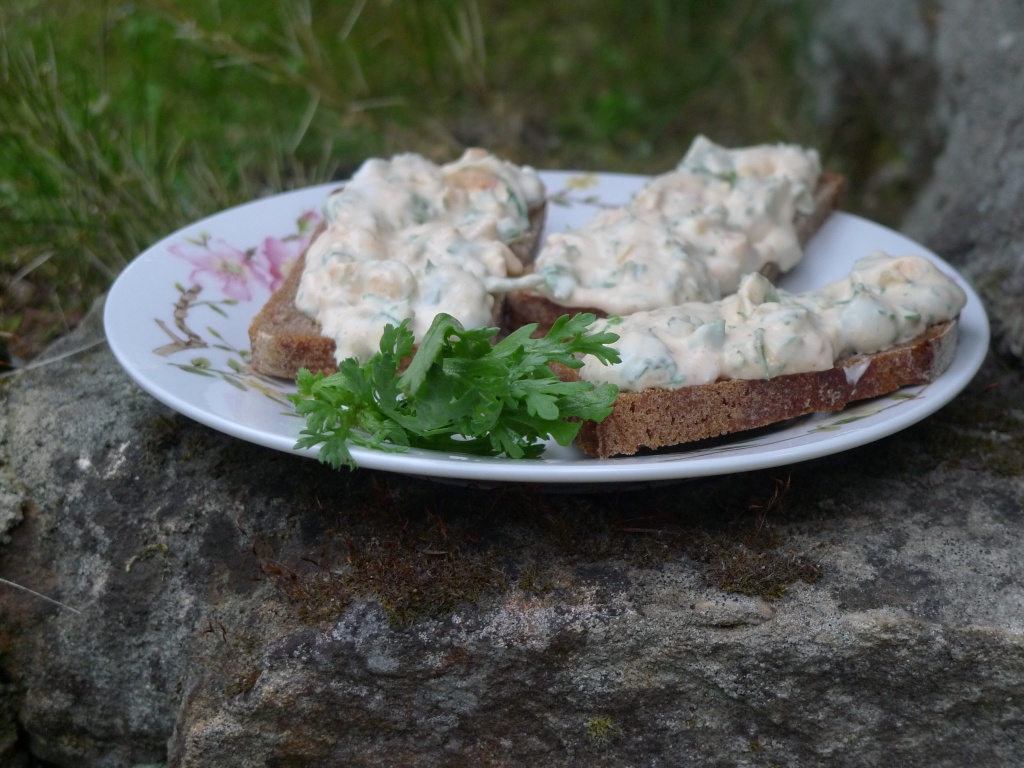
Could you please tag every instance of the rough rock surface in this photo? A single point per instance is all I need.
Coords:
(230, 605)
(223, 604)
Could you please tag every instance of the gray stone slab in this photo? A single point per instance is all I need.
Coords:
(231, 605)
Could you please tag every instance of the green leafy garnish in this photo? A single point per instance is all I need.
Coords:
(460, 392)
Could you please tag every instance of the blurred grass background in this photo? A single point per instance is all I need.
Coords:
(123, 121)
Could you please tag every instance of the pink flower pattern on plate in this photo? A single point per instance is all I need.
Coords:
(234, 271)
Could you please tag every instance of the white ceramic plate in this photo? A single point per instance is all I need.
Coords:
(177, 319)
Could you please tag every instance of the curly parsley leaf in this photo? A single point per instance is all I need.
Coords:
(459, 393)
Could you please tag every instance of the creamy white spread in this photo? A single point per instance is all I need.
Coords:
(762, 331)
(689, 235)
(407, 238)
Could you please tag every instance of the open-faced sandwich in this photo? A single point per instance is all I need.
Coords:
(404, 238)
(688, 235)
(762, 355)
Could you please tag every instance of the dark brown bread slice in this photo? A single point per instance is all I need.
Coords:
(283, 339)
(658, 418)
(522, 307)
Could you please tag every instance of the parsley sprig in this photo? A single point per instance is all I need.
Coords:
(459, 393)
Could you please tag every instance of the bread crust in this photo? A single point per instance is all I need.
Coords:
(659, 418)
(282, 339)
(523, 307)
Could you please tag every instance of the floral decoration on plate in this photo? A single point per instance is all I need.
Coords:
(229, 274)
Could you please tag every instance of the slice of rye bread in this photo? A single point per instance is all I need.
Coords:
(522, 307)
(283, 339)
(658, 418)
